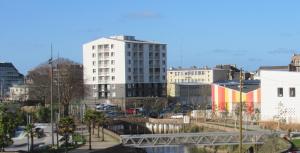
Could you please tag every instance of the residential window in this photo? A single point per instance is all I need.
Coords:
(280, 92)
(112, 62)
(94, 63)
(128, 53)
(163, 54)
(94, 78)
(129, 61)
(129, 78)
(128, 45)
(113, 78)
(93, 55)
(113, 94)
(113, 70)
(93, 47)
(112, 46)
(292, 92)
(112, 54)
(129, 69)
(94, 70)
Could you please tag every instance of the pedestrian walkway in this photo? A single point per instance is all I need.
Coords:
(97, 144)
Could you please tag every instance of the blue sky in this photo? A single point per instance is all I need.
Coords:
(200, 33)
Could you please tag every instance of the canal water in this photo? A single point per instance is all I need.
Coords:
(172, 149)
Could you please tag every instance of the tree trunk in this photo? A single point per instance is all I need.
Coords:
(66, 109)
(102, 133)
(90, 137)
(98, 129)
(93, 128)
(31, 146)
(66, 143)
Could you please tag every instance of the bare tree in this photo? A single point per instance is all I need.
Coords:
(67, 82)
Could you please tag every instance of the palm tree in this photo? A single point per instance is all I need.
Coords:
(66, 127)
(89, 118)
(100, 121)
(29, 129)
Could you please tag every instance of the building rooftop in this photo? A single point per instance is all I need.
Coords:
(190, 68)
(248, 85)
(279, 68)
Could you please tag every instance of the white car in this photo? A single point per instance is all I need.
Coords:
(176, 116)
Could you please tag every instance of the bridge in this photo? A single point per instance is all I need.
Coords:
(202, 139)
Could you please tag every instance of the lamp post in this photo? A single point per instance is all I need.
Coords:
(241, 111)
(51, 96)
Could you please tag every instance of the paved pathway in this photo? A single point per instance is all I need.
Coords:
(97, 144)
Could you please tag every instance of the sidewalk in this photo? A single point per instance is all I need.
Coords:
(97, 144)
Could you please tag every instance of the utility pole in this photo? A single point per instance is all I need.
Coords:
(240, 112)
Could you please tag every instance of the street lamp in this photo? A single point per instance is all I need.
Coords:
(50, 61)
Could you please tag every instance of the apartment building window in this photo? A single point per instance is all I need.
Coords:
(164, 62)
(128, 86)
(93, 47)
(113, 78)
(129, 69)
(111, 46)
(100, 47)
(150, 54)
(112, 70)
(292, 92)
(163, 54)
(94, 70)
(112, 62)
(94, 63)
(113, 86)
(129, 61)
(128, 45)
(113, 94)
(164, 77)
(129, 78)
(112, 54)
(164, 47)
(128, 53)
(93, 55)
(280, 92)
(94, 78)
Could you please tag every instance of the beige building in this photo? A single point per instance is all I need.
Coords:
(193, 75)
(295, 63)
(19, 93)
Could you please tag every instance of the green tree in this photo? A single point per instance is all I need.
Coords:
(8, 125)
(30, 130)
(66, 127)
(89, 118)
(100, 121)
(42, 115)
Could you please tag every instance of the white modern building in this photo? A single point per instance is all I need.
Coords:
(122, 66)
(280, 96)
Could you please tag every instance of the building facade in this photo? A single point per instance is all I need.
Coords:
(19, 93)
(9, 76)
(124, 67)
(193, 76)
(280, 96)
(226, 96)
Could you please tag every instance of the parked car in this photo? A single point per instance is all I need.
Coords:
(178, 115)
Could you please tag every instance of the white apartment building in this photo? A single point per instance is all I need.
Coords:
(280, 96)
(122, 66)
